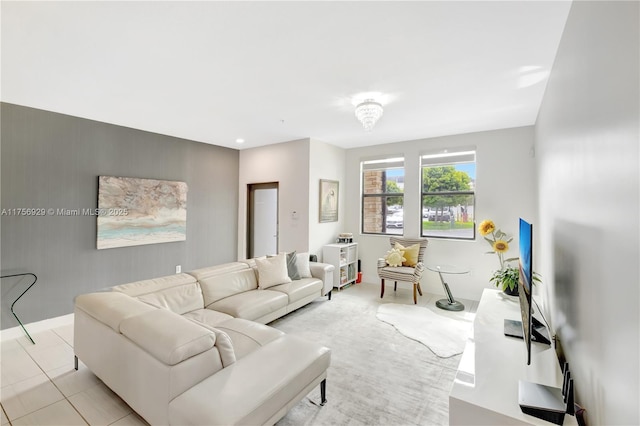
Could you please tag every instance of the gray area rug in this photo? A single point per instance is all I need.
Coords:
(377, 376)
(445, 333)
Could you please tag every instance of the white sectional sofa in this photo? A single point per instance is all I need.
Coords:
(192, 349)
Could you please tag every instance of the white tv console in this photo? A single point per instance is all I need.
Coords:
(485, 390)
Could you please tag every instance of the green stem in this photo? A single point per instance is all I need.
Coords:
(500, 257)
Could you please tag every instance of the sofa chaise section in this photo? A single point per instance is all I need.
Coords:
(145, 371)
(258, 389)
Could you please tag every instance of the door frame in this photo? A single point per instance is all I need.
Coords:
(251, 187)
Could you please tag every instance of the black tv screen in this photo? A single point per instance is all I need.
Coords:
(525, 281)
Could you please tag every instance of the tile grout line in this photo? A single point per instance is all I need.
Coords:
(49, 379)
(60, 390)
(65, 398)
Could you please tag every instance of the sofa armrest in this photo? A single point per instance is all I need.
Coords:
(167, 336)
(324, 272)
(419, 269)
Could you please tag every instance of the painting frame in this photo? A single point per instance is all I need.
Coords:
(137, 211)
(328, 200)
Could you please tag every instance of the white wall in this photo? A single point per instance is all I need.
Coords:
(325, 162)
(288, 164)
(505, 191)
(587, 148)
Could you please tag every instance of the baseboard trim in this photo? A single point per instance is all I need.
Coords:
(36, 327)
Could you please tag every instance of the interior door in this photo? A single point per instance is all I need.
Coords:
(262, 220)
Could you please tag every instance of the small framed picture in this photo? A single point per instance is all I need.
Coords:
(329, 200)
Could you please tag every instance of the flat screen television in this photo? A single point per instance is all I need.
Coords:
(529, 328)
(538, 400)
(525, 281)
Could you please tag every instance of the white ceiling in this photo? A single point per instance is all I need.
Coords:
(272, 72)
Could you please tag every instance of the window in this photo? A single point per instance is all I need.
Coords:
(383, 196)
(448, 195)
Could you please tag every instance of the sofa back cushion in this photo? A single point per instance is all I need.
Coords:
(224, 268)
(167, 336)
(179, 293)
(218, 287)
(111, 308)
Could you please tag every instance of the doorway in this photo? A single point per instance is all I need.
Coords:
(262, 219)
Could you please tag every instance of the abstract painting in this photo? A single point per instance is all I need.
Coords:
(133, 212)
(328, 200)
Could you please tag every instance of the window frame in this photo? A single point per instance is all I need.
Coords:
(443, 156)
(382, 195)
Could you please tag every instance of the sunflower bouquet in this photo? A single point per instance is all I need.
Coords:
(507, 275)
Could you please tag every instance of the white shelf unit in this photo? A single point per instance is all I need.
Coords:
(344, 257)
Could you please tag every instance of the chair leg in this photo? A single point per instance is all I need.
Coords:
(419, 289)
(382, 289)
(323, 392)
(395, 285)
(415, 296)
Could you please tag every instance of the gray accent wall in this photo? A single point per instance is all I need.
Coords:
(52, 160)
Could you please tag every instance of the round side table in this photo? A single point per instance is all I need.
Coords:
(449, 304)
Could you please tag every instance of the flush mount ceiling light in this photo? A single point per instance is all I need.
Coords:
(368, 112)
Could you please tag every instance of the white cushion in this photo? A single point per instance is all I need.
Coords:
(217, 287)
(272, 271)
(303, 265)
(179, 299)
(139, 288)
(395, 257)
(111, 308)
(167, 336)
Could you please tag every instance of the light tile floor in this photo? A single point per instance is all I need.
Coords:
(39, 386)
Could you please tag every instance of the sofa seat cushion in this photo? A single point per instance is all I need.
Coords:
(299, 289)
(247, 336)
(207, 316)
(398, 273)
(255, 389)
(251, 305)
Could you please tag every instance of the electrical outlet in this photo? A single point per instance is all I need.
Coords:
(178, 269)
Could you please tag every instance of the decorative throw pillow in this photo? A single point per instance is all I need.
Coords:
(302, 259)
(410, 253)
(292, 266)
(272, 271)
(394, 257)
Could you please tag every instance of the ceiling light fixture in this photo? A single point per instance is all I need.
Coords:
(369, 112)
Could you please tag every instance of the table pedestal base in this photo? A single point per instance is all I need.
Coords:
(449, 306)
